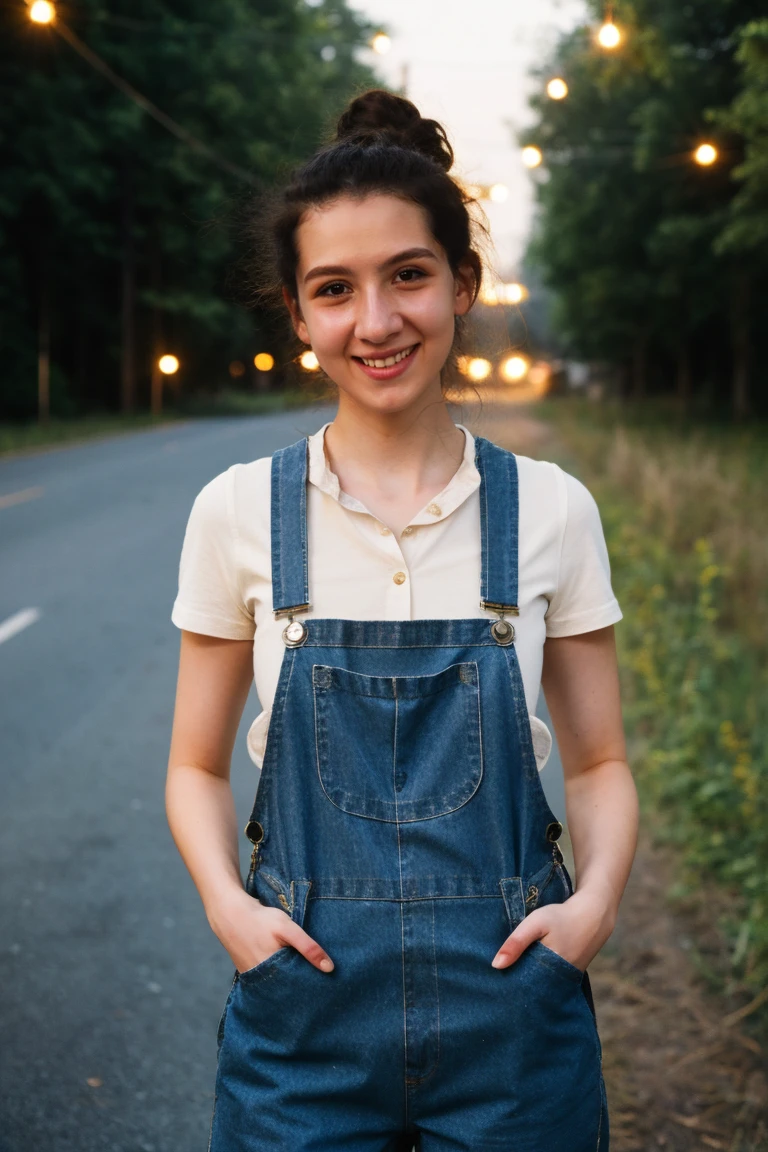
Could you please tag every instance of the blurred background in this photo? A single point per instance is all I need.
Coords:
(619, 154)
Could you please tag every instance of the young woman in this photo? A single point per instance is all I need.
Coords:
(410, 952)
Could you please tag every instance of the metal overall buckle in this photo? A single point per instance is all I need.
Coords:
(295, 632)
(502, 631)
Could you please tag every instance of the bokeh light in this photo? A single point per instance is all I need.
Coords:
(309, 361)
(381, 43)
(478, 368)
(609, 35)
(264, 361)
(514, 368)
(557, 89)
(42, 12)
(498, 193)
(531, 156)
(168, 365)
(237, 369)
(705, 154)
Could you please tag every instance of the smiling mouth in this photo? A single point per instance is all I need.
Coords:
(389, 361)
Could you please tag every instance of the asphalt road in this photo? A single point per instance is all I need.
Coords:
(111, 983)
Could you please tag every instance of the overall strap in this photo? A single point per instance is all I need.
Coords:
(499, 514)
(499, 511)
(290, 578)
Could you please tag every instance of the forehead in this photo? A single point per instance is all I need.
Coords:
(355, 231)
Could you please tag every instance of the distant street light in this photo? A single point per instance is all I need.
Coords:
(236, 369)
(557, 89)
(609, 35)
(381, 43)
(168, 365)
(531, 156)
(309, 361)
(498, 193)
(514, 368)
(42, 12)
(478, 369)
(705, 155)
(493, 294)
(264, 362)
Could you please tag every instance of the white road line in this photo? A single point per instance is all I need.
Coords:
(19, 497)
(18, 622)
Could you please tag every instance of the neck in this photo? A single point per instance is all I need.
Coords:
(395, 453)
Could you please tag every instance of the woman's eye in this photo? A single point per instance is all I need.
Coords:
(335, 289)
(410, 274)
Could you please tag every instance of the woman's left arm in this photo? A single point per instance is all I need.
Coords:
(581, 684)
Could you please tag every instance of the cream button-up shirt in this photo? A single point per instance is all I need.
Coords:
(359, 569)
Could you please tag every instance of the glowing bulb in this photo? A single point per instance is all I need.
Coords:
(705, 154)
(609, 35)
(498, 193)
(557, 89)
(42, 12)
(531, 156)
(514, 293)
(478, 369)
(309, 361)
(264, 362)
(381, 43)
(514, 368)
(168, 365)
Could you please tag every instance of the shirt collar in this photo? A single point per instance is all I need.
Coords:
(463, 482)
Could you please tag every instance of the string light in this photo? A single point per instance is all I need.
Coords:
(609, 35)
(705, 154)
(531, 156)
(42, 12)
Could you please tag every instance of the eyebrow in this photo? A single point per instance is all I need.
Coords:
(339, 270)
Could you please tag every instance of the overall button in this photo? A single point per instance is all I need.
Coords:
(554, 831)
(399, 577)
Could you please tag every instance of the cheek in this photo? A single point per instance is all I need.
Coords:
(329, 328)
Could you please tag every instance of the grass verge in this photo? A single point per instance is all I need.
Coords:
(686, 522)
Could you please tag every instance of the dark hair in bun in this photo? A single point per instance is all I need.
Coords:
(381, 117)
(382, 144)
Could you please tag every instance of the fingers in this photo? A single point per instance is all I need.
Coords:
(533, 927)
(309, 948)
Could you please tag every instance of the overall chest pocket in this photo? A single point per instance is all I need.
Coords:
(398, 748)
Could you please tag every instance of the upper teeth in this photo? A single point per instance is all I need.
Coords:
(390, 360)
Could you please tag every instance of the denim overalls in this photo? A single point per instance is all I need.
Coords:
(400, 819)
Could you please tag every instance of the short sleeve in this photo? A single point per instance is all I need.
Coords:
(584, 598)
(209, 598)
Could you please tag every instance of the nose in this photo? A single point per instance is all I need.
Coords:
(377, 318)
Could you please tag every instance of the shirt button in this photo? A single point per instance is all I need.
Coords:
(399, 577)
(407, 531)
(434, 510)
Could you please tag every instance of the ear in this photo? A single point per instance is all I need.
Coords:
(465, 290)
(297, 319)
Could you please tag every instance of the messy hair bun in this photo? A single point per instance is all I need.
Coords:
(381, 116)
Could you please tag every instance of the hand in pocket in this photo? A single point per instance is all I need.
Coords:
(251, 932)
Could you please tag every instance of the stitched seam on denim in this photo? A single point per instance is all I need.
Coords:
(303, 521)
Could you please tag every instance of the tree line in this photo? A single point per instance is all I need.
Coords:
(658, 266)
(116, 236)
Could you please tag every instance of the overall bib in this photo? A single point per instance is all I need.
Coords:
(400, 820)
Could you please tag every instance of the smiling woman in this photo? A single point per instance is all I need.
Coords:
(410, 949)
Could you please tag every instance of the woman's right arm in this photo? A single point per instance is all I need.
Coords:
(214, 679)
